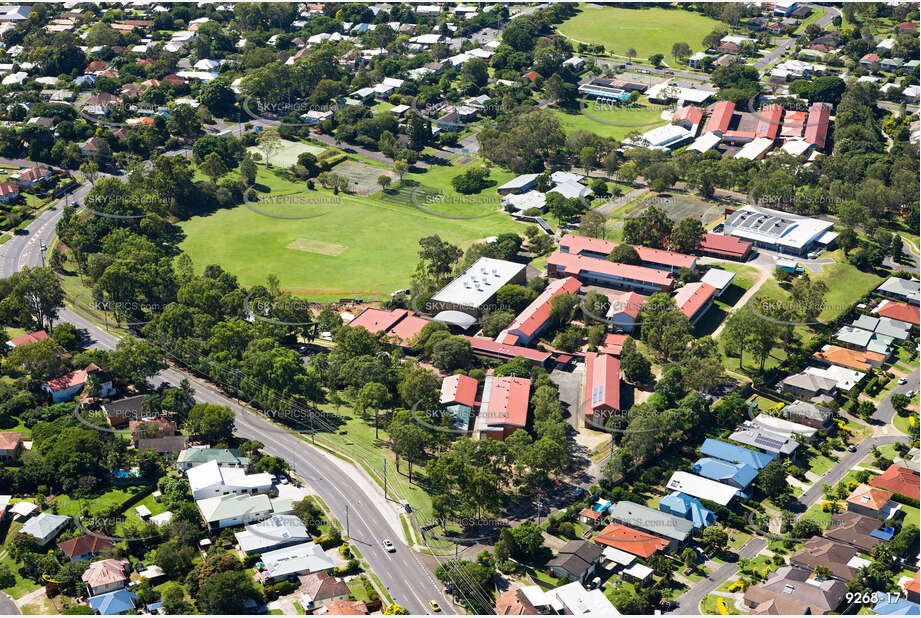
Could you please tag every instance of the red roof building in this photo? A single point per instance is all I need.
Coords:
(913, 588)
(399, 325)
(694, 299)
(95, 66)
(74, 378)
(494, 349)
(84, 547)
(722, 246)
(535, 317)
(720, 117)
(613, 344)
(8, 191)
(624, 309)
(906, 27)
(817, 124)
(630, 540)
(26, 339)
(590, 270)
(899, 311)
(688, 116)
(793, 123)
(459, 389)
(769, 123)
(504, 407)
(600, 248)
(869, 59)
(903, 481)
(602, 388)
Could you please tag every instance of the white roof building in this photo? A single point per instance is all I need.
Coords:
(479, 283)
(664, 91)
(525, 201)
(273, 533)
(774, 229)
(209, 480)
(666, 137)
(296, 560)
(707, 141)
(755, 149)
(783, 426)
(844, 377)
(701, 487)
(797, 147)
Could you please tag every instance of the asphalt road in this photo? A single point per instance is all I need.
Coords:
(409, 582)
(688, 603)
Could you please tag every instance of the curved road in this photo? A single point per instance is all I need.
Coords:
(408, 581)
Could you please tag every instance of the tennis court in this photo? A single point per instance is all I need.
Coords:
(679, 207)
(286, 156)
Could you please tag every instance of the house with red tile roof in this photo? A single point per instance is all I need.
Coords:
(528, 324)
(96, 66)
(69, 384)
(602, 388)
(869, 501)
(597, 271)
(694, 299)
(903, 481)
(84, 547)
(913, 588)
(494, 349)
(26, 339)
(624, 309)
(902, 312)
(105, 576)
(151, 428)
(399, 325)
(613, 344)
(629, 540)
(503, 407)
(769, 121)
(32, 176)
(869, 60)
(514, 602)
(718, 245)
(688, 117)
(793, 123)
(10, 445)
(845, 357)
(906, 27)
(8, 192)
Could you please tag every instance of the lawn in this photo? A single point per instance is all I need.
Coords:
(907, 424)
(611, 121)
(376, 241)
(286, 156)
(648, 30)
(711, 605)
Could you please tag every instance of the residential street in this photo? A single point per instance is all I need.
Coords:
(689, 601)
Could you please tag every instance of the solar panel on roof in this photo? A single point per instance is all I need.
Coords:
(768, 442)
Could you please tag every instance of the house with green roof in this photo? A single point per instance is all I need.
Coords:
(197, 455)
(237, 510)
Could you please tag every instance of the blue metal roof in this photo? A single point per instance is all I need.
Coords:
(112, 603)
(686, 506)
(737, 454)
(892, 606)
(719, 470)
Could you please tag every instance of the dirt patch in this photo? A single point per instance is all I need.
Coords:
(462, 160)
(316, 246)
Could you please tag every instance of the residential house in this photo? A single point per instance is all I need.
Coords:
(273, 533)
(318, 589)
(838, 558)
(84, 547)
(113, 603)
(632, 541)
(346, 608)
(576, 561)
(809, 386)
(32, 176)
(738, 475)
(674, 530)
(702, 487)
(106, 575)
(907, 290)
(899, 480)
(870, 501)
(899, 311)
(10, 445)
(837, 356)
(504, 407)
(870, 60)
(913, 588)
(856, 530)
(26, 339)
(290, 562)
(736, 454)
(883, 326)
(151, 428)
(240, 509)
(8, 192)
(818, 417)
(688, 507)
(864, 340)
(209, 480)
(514, 602)
(225, 457)
(792, 590)
(602, 388)
(754, 435)
(65, 387)
(45, 527)
(120, 411)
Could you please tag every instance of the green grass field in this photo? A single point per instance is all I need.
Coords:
(287, 155)
(375, 241)
(599, 119)
(649, 30)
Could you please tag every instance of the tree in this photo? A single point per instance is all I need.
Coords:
(687, 235)
(636, 367)
(494, 323)
(36, 294)
(384, 181)
(805, 528)
(630, 53)
(214, 423)
(528, 541)
(689, 558)
(592, 224)
(452, 353)
(269, 142)
(514, 298)
(396, 610)
(656, 59)
(90, 171)
(773, 480)
(624, 254)
(476, 72)
(213, 166)
(400, 168)
(649, 229)
(373, 396)
(715, 538)
(680, 51)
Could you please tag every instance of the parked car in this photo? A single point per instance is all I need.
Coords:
(903, 381)
(851, 448)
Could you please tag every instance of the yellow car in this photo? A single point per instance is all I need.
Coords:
(435, 606)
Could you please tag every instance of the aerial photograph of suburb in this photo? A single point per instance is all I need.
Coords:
(468, 307)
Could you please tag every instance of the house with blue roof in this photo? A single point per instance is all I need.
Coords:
(113, 603)
(739, 475)
(892, 605)
(736, 454)
(688, 507)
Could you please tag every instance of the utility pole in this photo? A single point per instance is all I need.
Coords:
(347, 521)
(385, 480)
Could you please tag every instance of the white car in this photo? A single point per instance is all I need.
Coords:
(903, 381)
(388, 545)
